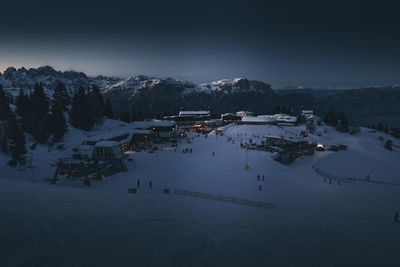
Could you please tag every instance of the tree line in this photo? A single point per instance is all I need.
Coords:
(45, 118)
(337, 120)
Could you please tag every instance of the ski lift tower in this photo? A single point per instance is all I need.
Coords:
(368, 178)
(247, 167)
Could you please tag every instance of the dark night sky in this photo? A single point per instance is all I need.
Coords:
(311, 43)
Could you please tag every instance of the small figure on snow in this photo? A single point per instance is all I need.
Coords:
(138, 182)
(86, 182)
(263, 178)
(396, 217)
(259, 187)
(258, 177)
(190, 150)
(213, 154)
(150, 184)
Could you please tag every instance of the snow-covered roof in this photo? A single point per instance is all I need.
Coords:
(314, 117)
(285, 118)
(213, 121)
(244, 112)
(197, 113)
(108, 135)
(107, 144)
(151, 124)
(308, 111)
(86, 148)
(136, 131)
(228, 114)
(262, 118)
(271, 118)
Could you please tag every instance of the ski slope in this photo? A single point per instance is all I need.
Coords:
(314, 224)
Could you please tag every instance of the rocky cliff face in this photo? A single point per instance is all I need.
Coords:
(14, 79)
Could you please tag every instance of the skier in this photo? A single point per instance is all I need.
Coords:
(190, 150)
(258, 177)
(396, 217)
(150, 184)
(213, 154)
(263, 178)
(138, 183)
(259, 187)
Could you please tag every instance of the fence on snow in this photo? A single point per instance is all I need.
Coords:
(259, 204)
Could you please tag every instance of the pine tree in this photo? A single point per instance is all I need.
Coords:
(344, 125)
(330, 118)
(61, 96)
(388, 145)
(4, 104)
(125, 116)
(139, 115)
(37, 114)
(164, 114)
(15, 140)
(108, 110)
(134, 115)
(81, 115)
(57, 123)
(386, 129)
(97, 104)
(380, 127)
(21, 103)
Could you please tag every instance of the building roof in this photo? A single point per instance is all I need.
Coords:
(136, 131)
(285, 118)
(314, 117)
(197, 113)
(244, 112)
(107, 144)
(262, 118)
(271, 118)
(150, 124)
(110, 134)
(86, 148)
(213, 121)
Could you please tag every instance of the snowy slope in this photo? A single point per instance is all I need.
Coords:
(315, 223)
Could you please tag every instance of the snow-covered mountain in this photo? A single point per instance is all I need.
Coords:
(13, 79)
(139, 92)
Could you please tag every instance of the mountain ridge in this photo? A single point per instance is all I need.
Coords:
(156, 97)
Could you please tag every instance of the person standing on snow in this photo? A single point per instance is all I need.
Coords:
(396, 217)
(138, 183)
(150, 184)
